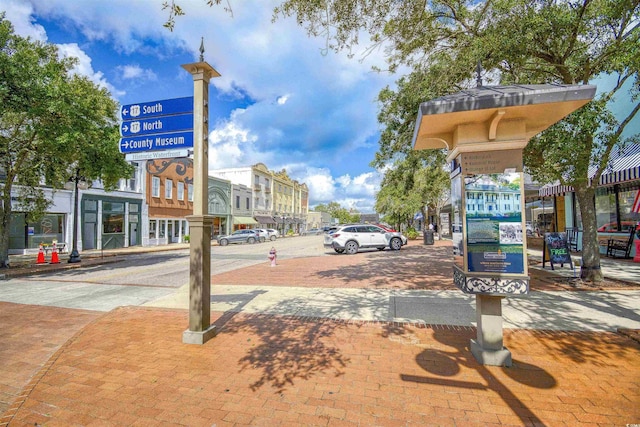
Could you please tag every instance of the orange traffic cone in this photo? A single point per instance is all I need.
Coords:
(40, 259)
(54, 255)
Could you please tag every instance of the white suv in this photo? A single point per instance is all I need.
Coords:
(267, 234)
(350, 238)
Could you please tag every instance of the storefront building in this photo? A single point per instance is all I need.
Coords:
(242, 207)
(220, 206)
(106, 220)
(557, 208)
(169, 197)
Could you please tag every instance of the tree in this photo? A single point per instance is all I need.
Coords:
(418, 179)
(517, 41)
(53, 124)
(338, 212)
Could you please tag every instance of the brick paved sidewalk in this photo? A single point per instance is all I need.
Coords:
(130, 368)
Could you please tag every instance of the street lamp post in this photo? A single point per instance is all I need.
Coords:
(75, 182)
(283, 217)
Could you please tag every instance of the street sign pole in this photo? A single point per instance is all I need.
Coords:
(200, 223)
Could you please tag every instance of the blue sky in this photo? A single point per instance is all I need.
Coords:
(279, 101)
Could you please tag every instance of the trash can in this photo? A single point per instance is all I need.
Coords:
(428, 237)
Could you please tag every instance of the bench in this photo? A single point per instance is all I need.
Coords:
(620, 246)
(60, 247)
(572, 238)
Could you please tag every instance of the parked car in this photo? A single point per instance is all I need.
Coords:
(386, 227)
(330, 230)
(267, 234)
(350, 238)
(315, 231)
(612, 227)
(239, 236)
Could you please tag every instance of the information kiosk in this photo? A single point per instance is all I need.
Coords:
(485, 130)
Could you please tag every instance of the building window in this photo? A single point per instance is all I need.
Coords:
(256, 180)
(180, 190)
(610, 202)
(155, 186)
(132, 183)
(190, 192)
(168, 189)
(248, 204)
(237, 202)
(112, 217)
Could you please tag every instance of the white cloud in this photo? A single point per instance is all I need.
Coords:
(231, 146)
(20, 14)
(136, 72)
(84, 67)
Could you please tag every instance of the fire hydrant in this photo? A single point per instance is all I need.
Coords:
(273, 256)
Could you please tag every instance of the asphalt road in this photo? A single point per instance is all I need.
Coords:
(142, 277)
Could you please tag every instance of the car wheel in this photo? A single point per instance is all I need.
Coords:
(272, 238)
(351, 247)
(224, 242)
(339, 250)
(251, 240)
(395, 244)
(263, 239)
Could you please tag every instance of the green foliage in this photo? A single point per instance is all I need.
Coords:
(336, 210)
(53, 124)
(411, 233)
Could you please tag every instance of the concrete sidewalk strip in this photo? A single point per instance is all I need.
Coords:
(86, 296)
(593, 311)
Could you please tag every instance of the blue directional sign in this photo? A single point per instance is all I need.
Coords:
(166, 107)
(162, 124)
(164, 141)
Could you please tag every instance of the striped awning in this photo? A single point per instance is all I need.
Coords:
(554, 190)
(623, 168)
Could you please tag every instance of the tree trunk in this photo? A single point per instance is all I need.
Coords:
(5, 216)
(590, 267)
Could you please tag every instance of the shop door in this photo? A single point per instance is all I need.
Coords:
(89, 236)
(133, 234)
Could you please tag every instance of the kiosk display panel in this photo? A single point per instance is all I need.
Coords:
(494, 223)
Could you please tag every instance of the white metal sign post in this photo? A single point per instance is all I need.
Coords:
(200, 328)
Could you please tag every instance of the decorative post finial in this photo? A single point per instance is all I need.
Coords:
(478, 76)
(202, 50)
